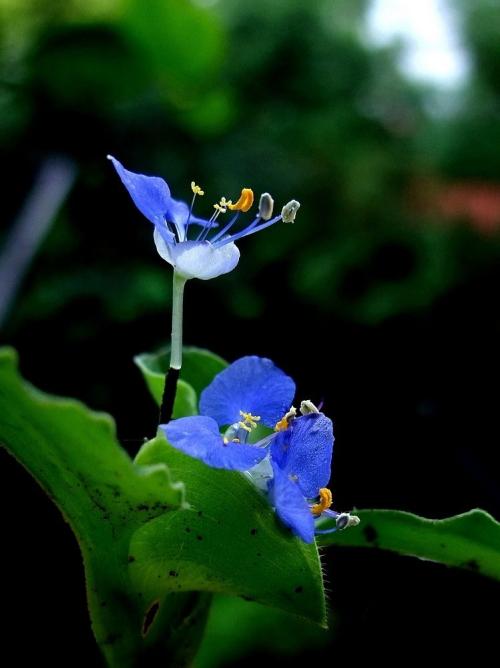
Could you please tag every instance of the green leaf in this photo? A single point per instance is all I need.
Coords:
(259, 628)
(73, 454)
(186, 401)
(199, 367)
(470, 540)
(228, 541)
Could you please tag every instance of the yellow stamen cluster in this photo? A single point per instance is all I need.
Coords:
(325, 501)
(284, 423)
(221, 207)
(249, 421)
(196, 189)
(244, 202)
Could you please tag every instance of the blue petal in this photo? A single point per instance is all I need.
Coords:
(253, 385)
(199, 437)
(150, 194)
(291, 506)
(304, 451)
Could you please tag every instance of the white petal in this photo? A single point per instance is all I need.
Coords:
(163, 248)
(198, 259)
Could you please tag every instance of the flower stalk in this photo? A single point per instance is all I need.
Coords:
(172, 376)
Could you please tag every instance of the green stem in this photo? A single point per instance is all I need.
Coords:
(170, 387)
(177, 305)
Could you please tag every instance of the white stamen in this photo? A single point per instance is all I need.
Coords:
(307, 407)
(289, 211)
(266, 206)
(346, 520)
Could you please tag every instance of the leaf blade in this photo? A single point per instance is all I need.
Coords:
(229, 541)
(469, 540)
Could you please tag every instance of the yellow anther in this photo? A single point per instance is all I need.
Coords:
(281, 425)
(249, 421)
(284, 423)
(221, 207)
(325, 501)
(244, 202)
(196, 189)
(233, 440)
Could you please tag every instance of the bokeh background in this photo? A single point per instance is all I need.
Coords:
(381, 301)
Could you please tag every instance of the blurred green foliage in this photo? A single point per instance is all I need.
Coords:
(284, 96)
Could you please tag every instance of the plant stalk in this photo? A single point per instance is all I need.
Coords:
(172, 376)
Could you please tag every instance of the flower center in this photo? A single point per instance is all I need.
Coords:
(249, 421)
(325, 501)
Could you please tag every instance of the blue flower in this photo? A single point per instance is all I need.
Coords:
(293, 460)
(250, 391)
(209, 252)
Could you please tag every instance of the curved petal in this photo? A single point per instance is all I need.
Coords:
(178, 213)
(291, 506)
(163, 246)
(198, 259)
(251, 384)
(304, 451)
(150, 194)
(199, 437)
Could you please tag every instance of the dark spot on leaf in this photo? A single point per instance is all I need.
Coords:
(299, 589)
(472, 565)
(259, 554)
(104, 604)
(188, 530)
(370, 533)
(253, 532)
(200, 513)
(160, 506)
(149, 617)
(173, 574)
(247, 598)
(142, 506)
(442, 546)
(131, 559)
(198, 537)
(111, 638)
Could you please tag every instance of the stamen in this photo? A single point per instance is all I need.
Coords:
(251, 229)
(233, 440)
(346, 520)
(225, 229)
(221, 207)
(307, 407)
(249, 421)
(196, 189)
(289, 211)
(244, 202)
(284, 423)
(266, 206)
(325, 501)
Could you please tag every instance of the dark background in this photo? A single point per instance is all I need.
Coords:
(382, 299)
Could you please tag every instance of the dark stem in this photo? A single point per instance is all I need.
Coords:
(168, 398)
